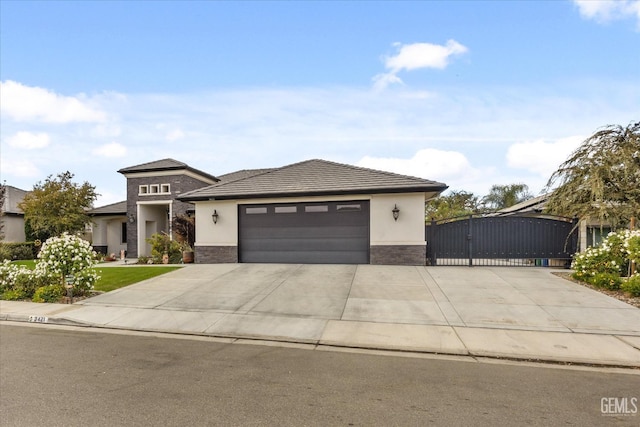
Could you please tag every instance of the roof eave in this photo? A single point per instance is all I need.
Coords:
(417, 189)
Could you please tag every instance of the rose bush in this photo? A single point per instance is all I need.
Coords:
(69, 255)
(606, 265)
(62, 256)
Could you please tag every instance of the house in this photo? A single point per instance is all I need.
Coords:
(12, 216)
(109, 228)
(314, 211)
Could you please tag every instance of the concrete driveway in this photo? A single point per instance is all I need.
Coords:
(490, 311)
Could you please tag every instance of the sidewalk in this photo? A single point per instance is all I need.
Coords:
(511, 313)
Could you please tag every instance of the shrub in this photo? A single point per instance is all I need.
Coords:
(612, 257)
(608, 281)
(69, 255)
(632, 247)
(5, 252)
(18, 282)
(14, 295)
(162, 244)
(17, 251)
(632, 285)
(49, 293)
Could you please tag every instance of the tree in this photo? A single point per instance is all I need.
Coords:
(457, 203)
(503, 196)
(57, 206)
(601, 179)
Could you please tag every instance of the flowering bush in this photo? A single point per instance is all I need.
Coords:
(61, 256)
(603, 266)
(632, 285)
(18, 282)
(632, 247)
(69, 255)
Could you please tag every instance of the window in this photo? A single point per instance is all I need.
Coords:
(349, 208)
(123, 233)
(143, 189)
(316, 208)
(286, 209)
(253, 211)
(154, 189)
(165, 188)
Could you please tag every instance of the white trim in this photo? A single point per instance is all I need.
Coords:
(169, 173)
(154, 202)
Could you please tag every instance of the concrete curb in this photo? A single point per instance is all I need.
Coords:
(469, 346)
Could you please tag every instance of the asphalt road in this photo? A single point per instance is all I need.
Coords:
(75, 377)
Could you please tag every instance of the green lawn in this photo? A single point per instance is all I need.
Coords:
(112, 278)
(31, 264)
(117, 277)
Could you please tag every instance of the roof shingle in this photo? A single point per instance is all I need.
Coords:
(314, 177)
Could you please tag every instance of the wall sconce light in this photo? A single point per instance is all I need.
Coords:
(215, 216)
(132, 218)
(396, 212)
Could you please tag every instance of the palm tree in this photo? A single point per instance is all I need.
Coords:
(503, 196)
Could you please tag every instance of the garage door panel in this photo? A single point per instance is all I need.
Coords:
(303, 232)
(302, 257)
(324, 244)
(331, 232)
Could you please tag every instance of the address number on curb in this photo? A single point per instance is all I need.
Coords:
(38, 319)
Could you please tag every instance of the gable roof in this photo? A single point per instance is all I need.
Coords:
(119, 208)
(165, 165)
(313, 178)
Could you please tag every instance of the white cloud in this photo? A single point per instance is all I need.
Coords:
(541, 157)
(21, 168)
(26, 103)
(29, 140)
(415, 56)
(174, 135)
(113, 149)
(609, 10)
(451, 167)
(381, 81)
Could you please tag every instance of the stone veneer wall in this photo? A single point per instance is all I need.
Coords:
(398, 255)
(179, 184)
(216, 254)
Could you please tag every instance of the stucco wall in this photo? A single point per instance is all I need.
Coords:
(13, 228)
(400, 242)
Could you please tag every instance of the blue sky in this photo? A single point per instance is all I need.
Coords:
(467, 93)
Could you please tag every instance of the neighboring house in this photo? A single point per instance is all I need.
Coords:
(12, 216)
(109, 228)
(153, 190)
(591, 232)
(314, 211)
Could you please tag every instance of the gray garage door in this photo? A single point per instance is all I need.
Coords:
(313, 233)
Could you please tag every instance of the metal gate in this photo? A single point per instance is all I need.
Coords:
(502, 240)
